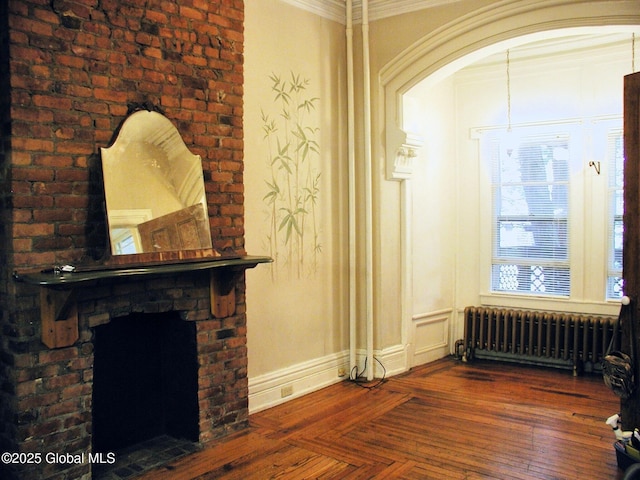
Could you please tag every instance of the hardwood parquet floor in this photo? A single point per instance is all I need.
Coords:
(446, 421)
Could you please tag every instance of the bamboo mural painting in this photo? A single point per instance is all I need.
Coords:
(293, 186)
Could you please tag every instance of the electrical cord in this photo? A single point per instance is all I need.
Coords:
(359, 380)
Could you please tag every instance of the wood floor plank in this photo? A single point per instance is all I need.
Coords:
(446, 420)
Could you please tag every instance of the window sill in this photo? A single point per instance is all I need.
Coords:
(556, 304)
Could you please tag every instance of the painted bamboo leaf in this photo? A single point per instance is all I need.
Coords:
(272, 195)
(305, 143)
(282, 158)
(280, 90)
(290, 222)
(308, 105)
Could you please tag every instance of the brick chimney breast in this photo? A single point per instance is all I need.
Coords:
(70, 71)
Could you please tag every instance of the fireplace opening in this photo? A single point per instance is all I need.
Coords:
(145, 381)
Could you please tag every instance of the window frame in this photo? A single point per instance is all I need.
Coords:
(588, 202)
(614, 217)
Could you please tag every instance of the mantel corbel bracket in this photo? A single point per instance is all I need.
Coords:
(59, 316)
(222, 290)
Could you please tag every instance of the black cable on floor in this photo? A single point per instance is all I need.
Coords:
(361, 381)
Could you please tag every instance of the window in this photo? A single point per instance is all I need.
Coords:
(531, 210)
(615, 162)
(556, 222)
(123, 241)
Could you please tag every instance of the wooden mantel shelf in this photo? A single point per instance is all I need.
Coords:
(83, 275)
(59, 312)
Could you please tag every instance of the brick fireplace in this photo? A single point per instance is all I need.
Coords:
(70, 72)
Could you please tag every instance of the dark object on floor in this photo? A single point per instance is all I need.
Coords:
(624, 459)
(632, 473)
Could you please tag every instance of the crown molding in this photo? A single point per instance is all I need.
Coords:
(330, 9)
(378, 9)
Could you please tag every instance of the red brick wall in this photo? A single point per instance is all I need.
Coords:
(75, 67)
(70, 70)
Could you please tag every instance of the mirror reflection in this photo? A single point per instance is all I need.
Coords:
(154, 189)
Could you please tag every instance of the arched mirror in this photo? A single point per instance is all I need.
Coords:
(154, 189)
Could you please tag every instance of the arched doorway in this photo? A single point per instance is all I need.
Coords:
(435, 57)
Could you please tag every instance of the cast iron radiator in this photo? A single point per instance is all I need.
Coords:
(562, 340)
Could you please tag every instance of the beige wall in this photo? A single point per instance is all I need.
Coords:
(297, 312)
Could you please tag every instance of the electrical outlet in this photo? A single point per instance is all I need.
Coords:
(342, 372)
(286, 391)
